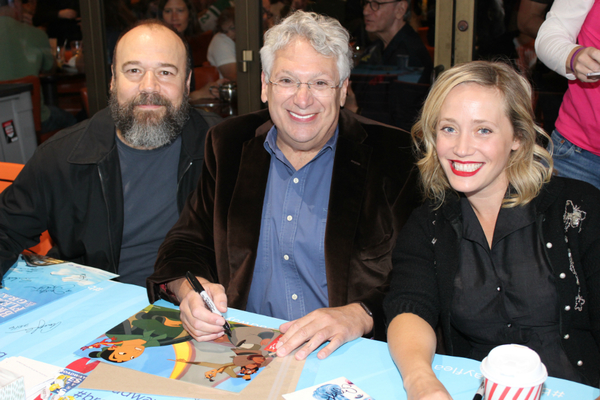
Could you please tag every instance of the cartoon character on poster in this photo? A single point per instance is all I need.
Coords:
(154, 341)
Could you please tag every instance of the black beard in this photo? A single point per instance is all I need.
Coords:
(148, 129)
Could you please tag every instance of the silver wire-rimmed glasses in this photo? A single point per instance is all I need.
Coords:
(318, 88)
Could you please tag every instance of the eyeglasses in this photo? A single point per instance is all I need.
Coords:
(375, 5)
(288, 87)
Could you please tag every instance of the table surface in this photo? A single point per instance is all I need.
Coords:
(52, 332)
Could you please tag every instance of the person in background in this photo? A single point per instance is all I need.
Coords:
(568, 42)
(221, 50)
(298, 206)
(60, 19)
(181, 16)
(274, 11)
(108, 189)
(29, 55)
(396, 40)
(550, 86)
(531, 16)
(28, 11)
(388, 21)
(501, 252)
(208, 19)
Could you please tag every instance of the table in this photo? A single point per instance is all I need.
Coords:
(52, 332)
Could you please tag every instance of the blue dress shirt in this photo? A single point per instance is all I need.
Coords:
(289, 278)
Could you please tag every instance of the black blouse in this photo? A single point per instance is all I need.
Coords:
(507, 294)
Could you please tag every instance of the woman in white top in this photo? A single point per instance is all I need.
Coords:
(221, 50)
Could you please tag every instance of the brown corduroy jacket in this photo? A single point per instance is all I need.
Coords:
(373, 190)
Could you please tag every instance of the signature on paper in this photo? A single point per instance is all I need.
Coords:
(56, 289)
(41, 327)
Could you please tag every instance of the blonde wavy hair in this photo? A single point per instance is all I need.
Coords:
(529, 167)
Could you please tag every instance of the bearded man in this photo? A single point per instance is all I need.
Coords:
(108, 189)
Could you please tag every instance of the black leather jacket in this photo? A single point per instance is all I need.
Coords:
(72, 188)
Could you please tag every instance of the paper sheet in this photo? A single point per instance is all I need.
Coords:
(279, 377)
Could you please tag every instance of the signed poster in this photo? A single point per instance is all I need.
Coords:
(36, 280)
(154, 341)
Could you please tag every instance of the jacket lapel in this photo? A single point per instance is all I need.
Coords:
(348, 184)
(245, 213)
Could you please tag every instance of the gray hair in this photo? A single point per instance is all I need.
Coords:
(325, 34)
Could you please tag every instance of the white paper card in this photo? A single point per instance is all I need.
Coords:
(338, 389)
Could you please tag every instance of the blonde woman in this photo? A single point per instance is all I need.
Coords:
(501, 251)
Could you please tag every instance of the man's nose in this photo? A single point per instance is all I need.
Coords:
(149, 82)
(304, 96)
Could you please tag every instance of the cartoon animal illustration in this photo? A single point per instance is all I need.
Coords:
(154, 326)
(248, 362)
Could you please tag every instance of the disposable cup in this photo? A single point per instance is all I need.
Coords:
(513, 372)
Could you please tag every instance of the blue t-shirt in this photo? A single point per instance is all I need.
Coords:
(150, 206)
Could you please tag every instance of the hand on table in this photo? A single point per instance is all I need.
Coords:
(337, 325)
(198, 320)
(586, 60)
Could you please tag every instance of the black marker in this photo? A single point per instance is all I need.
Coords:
(479, 393)
(207, 300)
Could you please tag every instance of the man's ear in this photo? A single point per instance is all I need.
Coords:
(401, 9)
(112, 79)
(188, 82)
(264, 87)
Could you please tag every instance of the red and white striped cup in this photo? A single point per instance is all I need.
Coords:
(513, 372)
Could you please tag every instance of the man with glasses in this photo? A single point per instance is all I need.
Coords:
(388, 20)
(298, 206)
(397, 47)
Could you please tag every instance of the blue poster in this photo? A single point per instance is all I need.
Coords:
(34, 281)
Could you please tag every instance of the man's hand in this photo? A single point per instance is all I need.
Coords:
(198, 320)
(337, 325)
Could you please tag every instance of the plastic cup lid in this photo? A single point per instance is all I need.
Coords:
(515, 366)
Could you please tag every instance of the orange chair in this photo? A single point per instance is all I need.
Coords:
(8, 173)
(204, 75)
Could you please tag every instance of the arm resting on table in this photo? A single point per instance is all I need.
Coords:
(412, 345)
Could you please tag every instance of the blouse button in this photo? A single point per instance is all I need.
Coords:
(286, 257)
(562, 275)
(499, 288)
(567, 308)
(294, 296)
(566, 336)
(296, 180)
(549, 245)
(579, 363)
